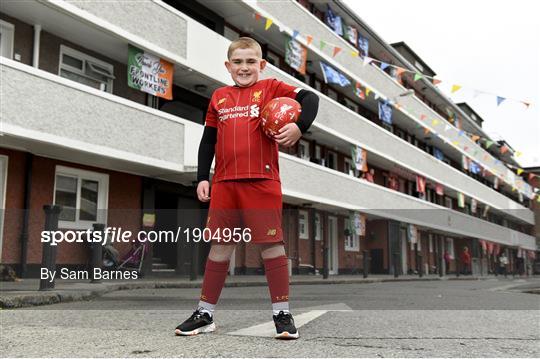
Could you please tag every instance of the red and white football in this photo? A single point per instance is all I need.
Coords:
(279, 112)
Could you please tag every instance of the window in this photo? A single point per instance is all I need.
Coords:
(6, 39)
(448, 202)
(87, 70)
(318, 227)
(318, 152)
(352, 240)
(303, 230)
(331, 160)
(351, 105)
(303, 149)
(83, 196)
(273, 58)
(230, 33)
(318, 85)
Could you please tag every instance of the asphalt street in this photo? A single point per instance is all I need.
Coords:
(490, 318)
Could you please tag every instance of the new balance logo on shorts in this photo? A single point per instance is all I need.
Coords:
(271, 232)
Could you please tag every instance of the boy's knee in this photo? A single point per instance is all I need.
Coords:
(220, 252)
(272, 250)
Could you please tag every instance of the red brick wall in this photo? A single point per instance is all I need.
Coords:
(124, 205)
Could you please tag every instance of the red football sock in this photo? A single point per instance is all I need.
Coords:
(277, 275)
(215, 274)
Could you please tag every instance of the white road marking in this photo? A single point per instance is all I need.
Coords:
(269, 330)
(308, 314)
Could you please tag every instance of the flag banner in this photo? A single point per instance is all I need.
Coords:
(363, 45)
(420, 184)
(359, 156)
(149, 73)
(359, 224)
(351, 34)
(358, 91)
(474, 167)
(334, 21)
(461, 200)
(385, 112)
(332, 76)
(439, 189)
(296, 55)
(474, 204)
(438, 153)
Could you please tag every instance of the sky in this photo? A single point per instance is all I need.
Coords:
(491, 46)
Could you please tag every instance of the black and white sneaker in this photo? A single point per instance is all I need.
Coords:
(285, 328)
(199, 322)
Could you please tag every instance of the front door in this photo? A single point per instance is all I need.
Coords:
(333, 264)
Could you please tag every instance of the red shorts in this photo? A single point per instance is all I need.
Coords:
(245, 211)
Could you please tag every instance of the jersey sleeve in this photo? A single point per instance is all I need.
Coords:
(211, 113)
(281, 89)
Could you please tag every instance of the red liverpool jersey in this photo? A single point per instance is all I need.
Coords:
(242, 148)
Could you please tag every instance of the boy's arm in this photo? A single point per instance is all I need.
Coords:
(206, 153)
(310, 106)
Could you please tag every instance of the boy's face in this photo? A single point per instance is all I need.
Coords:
(245, 66)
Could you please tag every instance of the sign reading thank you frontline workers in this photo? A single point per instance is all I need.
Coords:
(149, 73)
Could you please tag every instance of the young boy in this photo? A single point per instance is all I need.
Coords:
(246, 188)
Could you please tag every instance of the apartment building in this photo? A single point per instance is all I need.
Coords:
(76, 134)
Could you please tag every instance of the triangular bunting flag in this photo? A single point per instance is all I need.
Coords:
(504, 149)
(465, 148)
(455, 143)
(436, 82)
(399, 71)
(500, 100)
(377, 96)
(294, 34)
(531, 176)
(475, 138)
(422, 117)
(268, 23)
(354, 53)
(368, 90)
(258, 16)
(426, 131)
(336, 51)
(455, 88)
(447, 127)
(518, 153)
(322, 44)
(489, 144)
(435, 122)
(384, 65)
(519, 171)
(417, 76)
(309, 39)
(461, 133)
(526, 104)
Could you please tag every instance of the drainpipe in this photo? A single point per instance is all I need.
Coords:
(26, 214)
(37, 36)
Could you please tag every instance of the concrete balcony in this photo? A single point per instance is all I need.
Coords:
(52, 116)
(303, 180)
(335, 123)
(290, 15)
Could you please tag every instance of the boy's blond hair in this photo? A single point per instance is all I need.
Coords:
(244, 43)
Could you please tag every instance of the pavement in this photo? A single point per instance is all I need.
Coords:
(25, 293)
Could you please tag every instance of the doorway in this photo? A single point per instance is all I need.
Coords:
(333, 264)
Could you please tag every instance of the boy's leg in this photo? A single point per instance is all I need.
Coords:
(277, 275)
(217, 266)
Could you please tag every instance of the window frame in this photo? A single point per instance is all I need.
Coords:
(305, 222)
(352, 241)
(4, 160)
(102, 201)
(86, 60)
(332, 153)
(318, 227)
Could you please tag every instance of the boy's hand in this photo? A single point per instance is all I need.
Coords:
(203, 191)
(288, 135)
